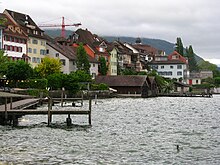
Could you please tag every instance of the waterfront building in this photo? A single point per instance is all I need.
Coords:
(36, 45)
(94, 45)
(135, 58)
(171, 66)
(13, 39)
(130, 84)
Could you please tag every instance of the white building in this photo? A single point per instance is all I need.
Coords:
(171, 66)
(14, 39)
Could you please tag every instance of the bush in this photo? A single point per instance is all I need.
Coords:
(101, 86)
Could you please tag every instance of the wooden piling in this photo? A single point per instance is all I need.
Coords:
(10, 102)
(49, 111)
(90, 108)
(6, 113)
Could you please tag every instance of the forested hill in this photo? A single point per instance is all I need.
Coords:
(166, 46)
(157, 43)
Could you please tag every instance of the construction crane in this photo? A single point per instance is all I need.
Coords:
(63, 25)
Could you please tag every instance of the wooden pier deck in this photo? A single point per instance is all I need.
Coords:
(10, 112)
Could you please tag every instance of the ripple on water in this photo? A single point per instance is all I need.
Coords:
(124, 131)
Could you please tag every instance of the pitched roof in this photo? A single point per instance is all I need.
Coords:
(147, 49)
(93, 40)
(122, 49)
(26, 22)
(13, 31)
(179, 56)
(122, 80)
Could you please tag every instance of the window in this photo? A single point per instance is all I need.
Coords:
(179, 66)
(93, 65)
(179, 73)
(42, 43)
(34, 59)
(29, 50)
(42, 52)
(197, 81)
(35, 51)
(171, 67)
(57, 55)
(162, 67)
(47, 51)
(154, 67)
(169, 73)
(63, 62)
(20, 49)
(34, 41)
(38, 60)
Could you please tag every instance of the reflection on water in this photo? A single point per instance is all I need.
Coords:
(123, 131)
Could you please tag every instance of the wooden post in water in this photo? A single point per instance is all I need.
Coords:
(6, 113)
(68, 120)
(49, 110)
(62, 95)
(10, 102)
(95, 98)
(90, 108)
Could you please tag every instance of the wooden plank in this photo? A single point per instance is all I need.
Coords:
(54, 112)
(20, 104)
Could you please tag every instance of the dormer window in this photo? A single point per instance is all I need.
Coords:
(101, 49)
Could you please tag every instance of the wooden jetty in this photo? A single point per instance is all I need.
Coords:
(10, 112)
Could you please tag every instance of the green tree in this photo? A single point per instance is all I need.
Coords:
(55, 80)
(76, 81)
(217, 81)
(191, 59)
(49, 66)
(127, 71)
(82, 61)
(103, 68)
(3, 63)
(18, 70)
(179, 46)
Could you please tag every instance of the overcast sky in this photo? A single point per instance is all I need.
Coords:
(195, 21)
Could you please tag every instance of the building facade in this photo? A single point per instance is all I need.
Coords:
(36, 45)
(173, 66)
(13, 39)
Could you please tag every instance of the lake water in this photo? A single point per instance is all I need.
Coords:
(125, 131)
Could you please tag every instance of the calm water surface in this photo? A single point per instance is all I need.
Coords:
(124, 131)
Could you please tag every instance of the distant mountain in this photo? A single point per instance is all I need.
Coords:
(56, 32)
(166, 46)
(157, 43)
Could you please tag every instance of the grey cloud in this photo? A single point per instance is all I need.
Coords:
(195, 21)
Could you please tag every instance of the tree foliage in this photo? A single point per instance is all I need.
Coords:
(103, 68)
(55, 80)
(18, 70)
(49, 66)
(179, 46)
(191, 59)
(82, 61)
(3, 63)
